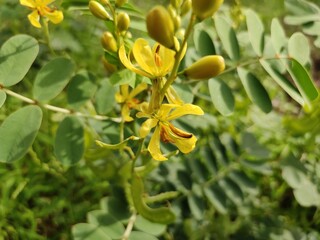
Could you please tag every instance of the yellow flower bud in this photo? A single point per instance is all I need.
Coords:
(205, 8)
(175, 3)
(160, 26)
(105, 2)
(108, 42)
(119, 3)
(123, 21)
(98, 10)
(110, 68)
(185, 7)
(206, 67)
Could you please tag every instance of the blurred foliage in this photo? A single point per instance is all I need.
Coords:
(255, 173)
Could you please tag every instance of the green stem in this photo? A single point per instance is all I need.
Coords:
(137, 155)
(129, 227)
(56, 109)
(47, 35)
(178, 57)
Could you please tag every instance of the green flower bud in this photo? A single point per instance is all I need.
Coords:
(206, 67)
(119, 3)
(108, 42)
(205, 8)
(185, 7)
(175, 3)
(160, 26)
(98, 10)
(123, 21)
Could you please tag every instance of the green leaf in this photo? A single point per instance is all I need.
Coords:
(303, 81)
(197, 206)
(52, 79)
(256, 31)
(298, 20)
(105, 97)
(252, 147)
(123, 77)
(283, 82)
(278, 36)
(16, 57)
(135, 235)
(221, 96)
(118, 208)
(307, 194)
(81, 89)
(108, 224)
(146, 226)
(3, 97)
(232, 190)
(85, 231)
(203, 43)
(69, 141)
(255, 90)
(228, 38)
(217, 198)
(298, 48)
(244, 182)
(18, 132)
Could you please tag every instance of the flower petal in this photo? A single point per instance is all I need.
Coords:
(125, 112)
(186, 145)
(154, 146)
(144, 56)
(127, 63)
(34, 19)
(167, 59)
(147, 126)
(55, 16)
(184, 110)
(47, 2)
(28, 3)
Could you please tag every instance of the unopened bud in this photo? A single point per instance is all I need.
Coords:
(123, 21)
(108, 42)
(206, 67)
(205, 8)
(105, 2)
(119, 3)
(98, 10)
(160, 26)
(175, 3)
(108, 66)
(185, 7)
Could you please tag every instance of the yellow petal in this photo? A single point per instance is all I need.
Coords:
(184, 110)
(138, 89)
(28, 3)
(173, 97)
(34, 19)
(186, 145)
(164, 110)
(147, 126)
(127, 63)
(167, 59)
(47, 2)
(125, 112)
(119, 98)
(55, 16)
(154, 146)
(144, 56)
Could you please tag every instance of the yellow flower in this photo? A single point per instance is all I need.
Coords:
(39, 9)
(165, 131)
(128, 100)
(152, 63)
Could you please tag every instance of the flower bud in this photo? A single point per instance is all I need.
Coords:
(105, 2)
(119, 3)
(108, 42)
(110, 68)
(123, 21)
(185, 7)
(206, 67)
(98, 10)
(205, 8)
(175, 3)
(160, 26)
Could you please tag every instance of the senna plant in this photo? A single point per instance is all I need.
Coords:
(144, 112)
